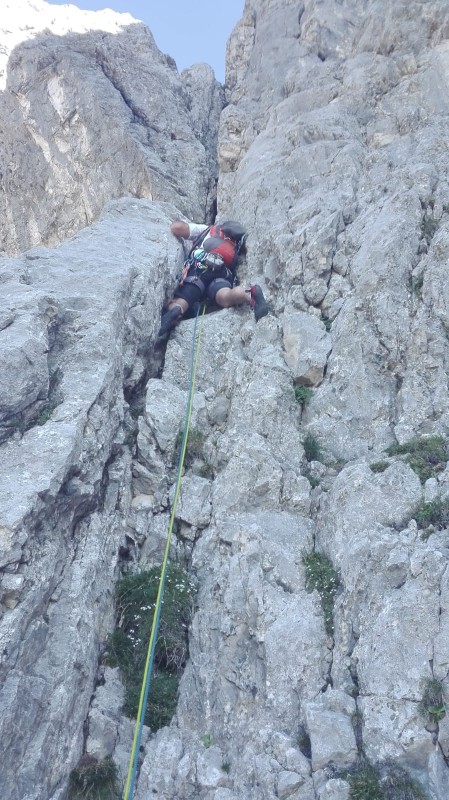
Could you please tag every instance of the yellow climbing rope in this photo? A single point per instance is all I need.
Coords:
(132, 769)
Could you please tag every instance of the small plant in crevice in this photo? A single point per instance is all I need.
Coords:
(194, 447)
(385, 781)
(93, 780)
(312, 448)
(398, 785)
(46, 412)
(426, 456)
(432, 706)
(327, 322)
(322, 577)
(314, 482)
(303, 395)
(128, 644)
(226, 767)
(207, 740)
(435, 512)
(379, 466)
(364, 782)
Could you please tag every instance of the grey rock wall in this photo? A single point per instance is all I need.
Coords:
(333, 151)
(66, 471)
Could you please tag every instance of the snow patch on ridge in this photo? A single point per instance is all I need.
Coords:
(21, 20)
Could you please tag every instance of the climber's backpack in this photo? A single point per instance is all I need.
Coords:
(225, 241)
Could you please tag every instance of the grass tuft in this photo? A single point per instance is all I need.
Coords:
(432, 705)
(379, 466)
(93, 780)
(303, 395)
(434, 513)
(194, 448)
(312, 448)
(321, 576)
(364, 783)
(382, 782)
(127, 646)
(426, 456)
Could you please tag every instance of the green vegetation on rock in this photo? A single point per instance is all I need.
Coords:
(434, 513)
(432, 705)
(364, 783)
(93, 780)
(379, 466)
(303, 395)
(312, 448)
(426, 456)
(321, 576)
(128, 645)
(382, 782)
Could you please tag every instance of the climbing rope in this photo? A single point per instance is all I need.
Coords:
(132, 769)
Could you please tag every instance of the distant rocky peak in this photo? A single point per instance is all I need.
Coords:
(23, 19)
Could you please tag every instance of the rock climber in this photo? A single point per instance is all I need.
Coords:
(209, 272)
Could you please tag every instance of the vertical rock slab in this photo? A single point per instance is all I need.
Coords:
(65, 479)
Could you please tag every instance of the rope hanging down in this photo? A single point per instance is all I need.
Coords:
(132, 770)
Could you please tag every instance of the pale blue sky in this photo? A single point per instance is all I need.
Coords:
(188, 31)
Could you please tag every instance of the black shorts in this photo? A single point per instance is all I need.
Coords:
(189, 292)
(199, 285)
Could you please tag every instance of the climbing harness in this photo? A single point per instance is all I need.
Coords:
(132, 770)
(213, 248)
(217, 249)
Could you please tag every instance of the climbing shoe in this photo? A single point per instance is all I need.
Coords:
(169, 320)
(258, 302)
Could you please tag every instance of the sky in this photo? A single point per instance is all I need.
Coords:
(188, 31)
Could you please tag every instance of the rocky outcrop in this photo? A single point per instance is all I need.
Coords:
(355, 189)
(92, 110)
(332, 151)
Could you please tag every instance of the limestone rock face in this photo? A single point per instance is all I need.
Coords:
(65, 477)
(322, 601)
(92, 110)
(300, 332)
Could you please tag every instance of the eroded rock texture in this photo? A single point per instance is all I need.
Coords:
(92, 110)
(332, 150)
